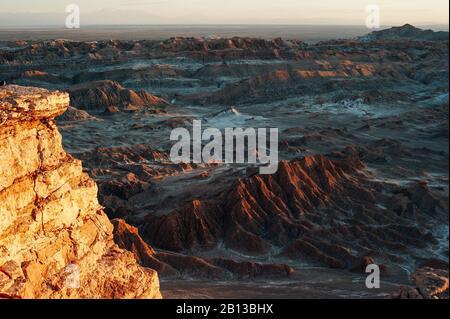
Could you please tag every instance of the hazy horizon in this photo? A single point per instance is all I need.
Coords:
(307, 33)
(56, 26)
(51, 13)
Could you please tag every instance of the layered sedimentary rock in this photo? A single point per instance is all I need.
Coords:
(284, 82)
(55, 239)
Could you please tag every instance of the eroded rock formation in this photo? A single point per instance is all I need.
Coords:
(55, 239)
(325, 211)
(170, 264)
(101, 95)
(430, 284)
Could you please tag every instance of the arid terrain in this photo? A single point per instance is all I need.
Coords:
(363, 177)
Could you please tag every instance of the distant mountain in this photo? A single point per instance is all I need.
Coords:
(406, 32)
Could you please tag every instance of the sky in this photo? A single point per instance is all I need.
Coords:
(301, 12)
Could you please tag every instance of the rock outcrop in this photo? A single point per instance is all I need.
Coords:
(55, 239)
(430, 284)
(73, 114)
(100, 95)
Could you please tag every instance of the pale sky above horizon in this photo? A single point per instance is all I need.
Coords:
(322, 12)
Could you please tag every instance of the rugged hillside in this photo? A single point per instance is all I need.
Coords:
(100, 95)
(325, 211)
(55, 240)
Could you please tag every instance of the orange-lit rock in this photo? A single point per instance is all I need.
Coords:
(55, 240)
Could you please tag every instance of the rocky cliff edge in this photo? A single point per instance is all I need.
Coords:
(55, 239)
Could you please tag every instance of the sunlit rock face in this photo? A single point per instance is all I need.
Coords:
(55, 239)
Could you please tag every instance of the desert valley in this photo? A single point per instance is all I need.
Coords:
(362, 179)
